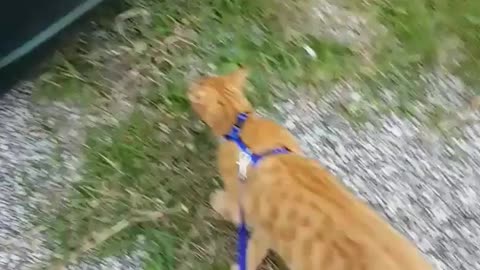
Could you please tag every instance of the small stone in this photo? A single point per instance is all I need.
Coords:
(289, 124)
(164, 128)
(356, 97)
(311, 52)
(475, 103)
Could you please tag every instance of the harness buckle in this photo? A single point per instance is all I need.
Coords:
(244, 159)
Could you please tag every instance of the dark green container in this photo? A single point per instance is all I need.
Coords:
(31, 29)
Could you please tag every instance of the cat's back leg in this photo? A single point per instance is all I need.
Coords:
(257, 250)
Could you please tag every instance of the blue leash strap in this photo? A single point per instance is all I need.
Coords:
(242, 244)
(254, 159)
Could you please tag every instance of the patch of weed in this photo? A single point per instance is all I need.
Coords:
(427, 33)
(414, 26)
(219, 34)
(421, 37)
(154, 171)
(64, 83)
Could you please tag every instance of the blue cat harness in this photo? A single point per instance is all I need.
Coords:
(246, 158)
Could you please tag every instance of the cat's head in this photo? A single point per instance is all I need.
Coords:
(218, 99)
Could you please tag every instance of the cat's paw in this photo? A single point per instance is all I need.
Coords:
(234, 267)
(221, 203)
(218, 202)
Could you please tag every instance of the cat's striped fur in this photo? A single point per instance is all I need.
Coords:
(293, 205)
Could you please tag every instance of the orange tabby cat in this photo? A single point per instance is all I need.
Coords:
(293, 205)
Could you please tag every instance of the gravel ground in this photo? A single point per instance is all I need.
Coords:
(35, 170)
(426, 185)
(23, 149)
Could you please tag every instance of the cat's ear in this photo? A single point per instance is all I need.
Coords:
(237, 79)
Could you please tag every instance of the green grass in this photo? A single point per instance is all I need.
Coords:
(428, 33)
(136, 171)
(420, 31)
(149, 175)
(156, 160)
(422, 36)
